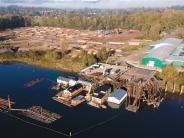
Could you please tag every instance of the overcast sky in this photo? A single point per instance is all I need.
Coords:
(94, 3)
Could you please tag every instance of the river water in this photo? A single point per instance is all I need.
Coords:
(166, 122)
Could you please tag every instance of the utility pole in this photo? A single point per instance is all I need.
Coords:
(9, 103)
(70, 135)
(106, 62)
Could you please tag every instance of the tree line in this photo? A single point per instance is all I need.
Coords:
(13, 21)
(83, 58)
(152, 23)
(170, 75)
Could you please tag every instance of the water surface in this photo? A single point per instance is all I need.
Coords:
(167, 122)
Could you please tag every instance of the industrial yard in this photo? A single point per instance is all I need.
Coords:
(127, 78)
(130, 77)
(50, 38)
(43, 38)
(91, 68)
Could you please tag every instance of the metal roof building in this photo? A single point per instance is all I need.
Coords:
(177, 58)
(117, 96)
(164, 52)
(167, 41)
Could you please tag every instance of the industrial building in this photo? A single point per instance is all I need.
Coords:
(165, 52)
(106, 88)
(101, 94)
(118, 96)
(63, 80)
(66, 81)
(73, 90)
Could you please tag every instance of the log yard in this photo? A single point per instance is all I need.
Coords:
(123, 77)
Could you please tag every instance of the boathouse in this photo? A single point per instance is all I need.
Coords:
(101, 94)
(118, 96)
(63, 80)
(106, 88)
(66, 81)
(73, 90)
(86, 84)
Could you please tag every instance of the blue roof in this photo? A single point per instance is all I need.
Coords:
(118, 93)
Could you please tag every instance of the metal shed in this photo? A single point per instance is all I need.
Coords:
(161, 52)
(117, 96)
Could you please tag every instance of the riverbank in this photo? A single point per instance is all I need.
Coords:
(53, 59)
(71, 67)
(48, 65)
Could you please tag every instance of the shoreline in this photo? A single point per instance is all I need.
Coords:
(36, 65)
(65, 70)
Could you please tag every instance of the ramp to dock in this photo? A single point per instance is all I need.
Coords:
(132, 108)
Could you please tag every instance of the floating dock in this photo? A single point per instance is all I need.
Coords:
(132, 108)
(40, 114)
(78, 100)
(65, 102)
(97, 105)
(34, 82)
(56, 87)
(68, 101)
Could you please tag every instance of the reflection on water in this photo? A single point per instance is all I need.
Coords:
(115, 106)
(167, 122)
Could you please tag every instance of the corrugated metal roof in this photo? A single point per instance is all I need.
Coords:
(178, 55)
(166, 47)
(175, 58)
(173, 41)
(87, 83)
(118, 94)
(161, 52)
(63, 79)
(178, 50)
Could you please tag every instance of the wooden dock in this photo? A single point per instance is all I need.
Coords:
(65, 102)
(78, 100)
(56, 87)
(97, 105)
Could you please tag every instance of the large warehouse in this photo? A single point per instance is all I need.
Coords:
(165, 51)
